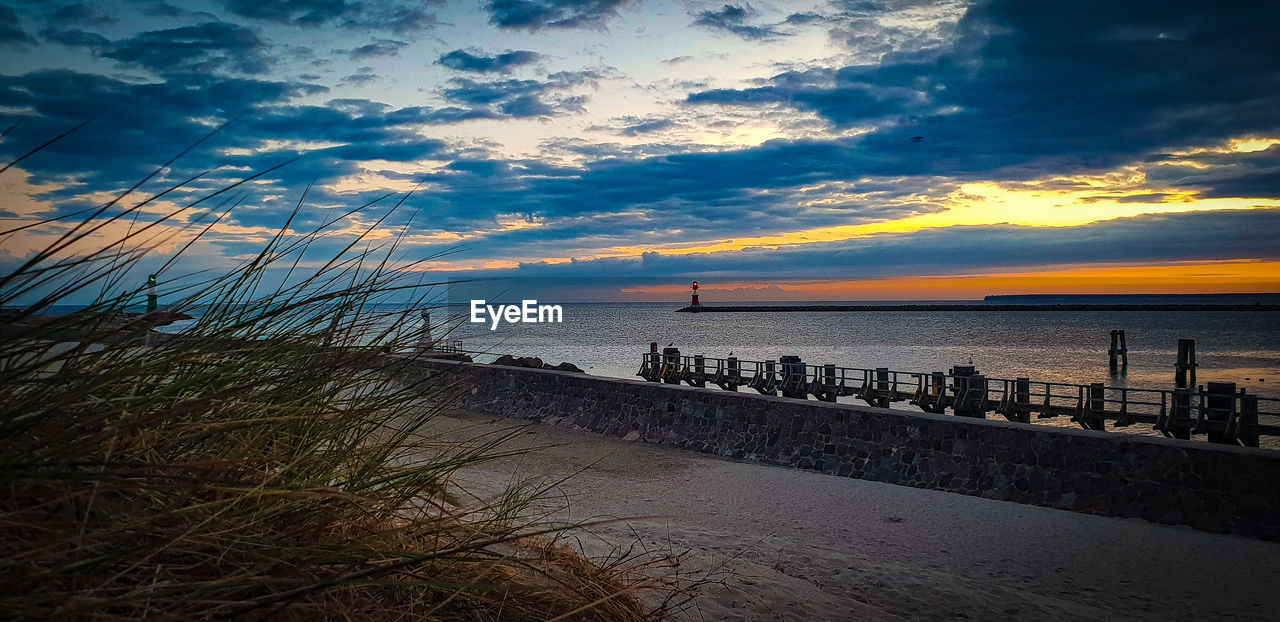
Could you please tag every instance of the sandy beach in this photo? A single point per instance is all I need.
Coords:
(797, 545)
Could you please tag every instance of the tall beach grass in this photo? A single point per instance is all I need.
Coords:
(270, 461)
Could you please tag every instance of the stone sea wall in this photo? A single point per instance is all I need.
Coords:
(1210, 487)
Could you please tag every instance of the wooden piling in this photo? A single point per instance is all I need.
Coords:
(962, 387)
(1179, 423)
(828, 393)
(1220, 403)
(1185, 367)
(671, 365)
(1248, 420)
(734, 371)
(1118, 353)
(699, 377)
(1094, 417)
(1022, 400)
(793, 377)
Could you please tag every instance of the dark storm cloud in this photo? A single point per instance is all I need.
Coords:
(11, 34)
(385, 15)
(1029, 89)
(733, 19)
(205, 48)
(505, 62)
(540, 14)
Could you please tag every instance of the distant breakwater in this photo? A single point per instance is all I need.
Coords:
(978, 307)
(1214, 488)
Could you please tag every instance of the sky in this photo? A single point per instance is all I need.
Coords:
(816, 150)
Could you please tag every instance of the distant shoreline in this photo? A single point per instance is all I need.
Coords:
(981, 307)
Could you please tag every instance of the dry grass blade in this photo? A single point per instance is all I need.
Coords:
(268, 461)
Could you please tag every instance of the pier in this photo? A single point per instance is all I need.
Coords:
(700, 308)
(1220, 411)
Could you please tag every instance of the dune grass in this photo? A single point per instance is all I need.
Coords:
(271, 461)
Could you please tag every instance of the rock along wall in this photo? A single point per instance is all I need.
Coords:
(1213, 488)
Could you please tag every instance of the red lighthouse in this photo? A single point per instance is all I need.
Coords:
(695, 295)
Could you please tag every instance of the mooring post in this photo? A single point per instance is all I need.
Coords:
(699, 378)
(1185, 367)
(793, 376)
(1220, 407)
(964, 405)
(1022, 400)
(734, 370)
(828, 383)
(882, 395)
(671, 365)
(769, 384)
(1179, 425)
(651, 368)
(1095, 416)
(1118, 353)
(1248, 419)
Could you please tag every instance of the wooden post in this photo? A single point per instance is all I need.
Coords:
(1022, 399)
(1180, 414)
(793, 377)
(1185, 367)
(1248, 419)
(699, 378)
(1094, 418)
(735, 373)
(1118, 353)
(828, 383)
(978, 399)
(883, 393)
(1220, 407)
(964, 395)
(671, 365)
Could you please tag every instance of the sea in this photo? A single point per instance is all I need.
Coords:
(609, 339)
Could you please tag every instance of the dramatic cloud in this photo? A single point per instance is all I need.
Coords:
(376, 48)
(521, 98)
(385, 15)
(540, 14)
(11, 33)
(1025, 90)
(76, 38)
(1235, 235)
(731, 18)
(505, 62)
(362, 76)
(83, 13)
(634, 126)
(207, 48)
(880, 112)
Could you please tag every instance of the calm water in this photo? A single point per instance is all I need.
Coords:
(608, 339)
